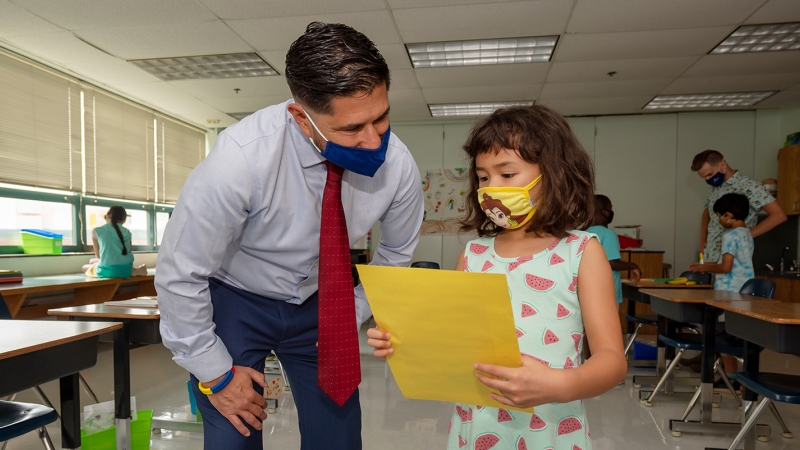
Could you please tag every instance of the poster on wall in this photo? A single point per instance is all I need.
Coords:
(444, 191)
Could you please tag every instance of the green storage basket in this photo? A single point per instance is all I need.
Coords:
(40, 242)
(107, 439)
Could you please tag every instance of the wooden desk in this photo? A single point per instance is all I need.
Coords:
(774, 325)
(690, 305)
(137, 326)
(651, 263)
(86, 291)
(35, 352)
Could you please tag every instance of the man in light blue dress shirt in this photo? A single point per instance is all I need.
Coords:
(237, 269)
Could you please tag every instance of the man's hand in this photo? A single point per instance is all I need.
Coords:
(702, 247)
(239, 401)
(697, 267)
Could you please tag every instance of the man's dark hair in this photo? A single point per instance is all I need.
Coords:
(540, 135)
(706, 156)
(736, 204)
(331, 60)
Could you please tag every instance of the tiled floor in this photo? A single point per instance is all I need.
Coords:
(617, 419)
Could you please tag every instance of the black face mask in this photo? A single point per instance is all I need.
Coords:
(610, 216)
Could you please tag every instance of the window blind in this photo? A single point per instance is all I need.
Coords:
(183, 149)
(38, 130)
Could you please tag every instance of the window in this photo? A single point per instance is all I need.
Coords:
(41, 215)
(136, 223)
(161, 224)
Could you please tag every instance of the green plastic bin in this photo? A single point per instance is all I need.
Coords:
(40, 242)
(107, 439)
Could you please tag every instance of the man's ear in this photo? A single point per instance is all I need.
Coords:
(299, 115)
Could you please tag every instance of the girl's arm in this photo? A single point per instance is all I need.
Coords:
(534, 384)
(96, 246)
(724, 267)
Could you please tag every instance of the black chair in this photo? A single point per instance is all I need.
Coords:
(17, 419)
(425, 265)
(760, 287)
(700, 278)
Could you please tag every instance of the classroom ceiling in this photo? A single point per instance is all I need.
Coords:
(654, 46)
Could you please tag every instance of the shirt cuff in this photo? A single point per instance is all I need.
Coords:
(209, 365)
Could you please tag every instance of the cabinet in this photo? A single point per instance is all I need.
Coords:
(789, 179)
(651, 264)
(786, 289)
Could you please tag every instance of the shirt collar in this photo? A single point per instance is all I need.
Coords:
(306, 153)
(734, 178)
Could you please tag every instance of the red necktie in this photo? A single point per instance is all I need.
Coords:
(339, 364)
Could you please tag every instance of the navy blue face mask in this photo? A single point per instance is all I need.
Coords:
(362, 161)
(716, 180)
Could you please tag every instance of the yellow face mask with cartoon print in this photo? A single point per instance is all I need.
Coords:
(508, 207)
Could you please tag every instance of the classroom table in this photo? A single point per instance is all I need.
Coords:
(690, 305)
(35, 352)
(774, 325)
(138, 327)
(632, 290)
(85, 290)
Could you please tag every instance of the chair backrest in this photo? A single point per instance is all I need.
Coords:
(5, 314)
(701, 278)
(760, 287)
(425, 265)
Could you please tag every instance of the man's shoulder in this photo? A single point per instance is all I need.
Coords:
(264, 123)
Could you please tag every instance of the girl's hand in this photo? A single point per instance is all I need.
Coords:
(380, 342)
(531, 385)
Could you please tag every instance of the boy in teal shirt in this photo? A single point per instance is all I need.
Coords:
(603, 215)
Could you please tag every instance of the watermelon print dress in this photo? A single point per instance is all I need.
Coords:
(547, 315)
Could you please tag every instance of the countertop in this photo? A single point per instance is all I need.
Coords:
(767, 273)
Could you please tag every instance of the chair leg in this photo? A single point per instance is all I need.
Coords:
(286, 385)
(649, 400)
(749, 424)
(3, 447)
(786, 433)
(40, 393)
(629, 345)
(87, 388)
(48, 444)
(692, 403)
(721, 372)
(11, 397)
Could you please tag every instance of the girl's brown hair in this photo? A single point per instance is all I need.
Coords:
(540, 136)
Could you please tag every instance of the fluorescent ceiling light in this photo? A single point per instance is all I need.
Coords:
(486, 51)
(761, 38)
(726, 100)
(236, 65)
(471, 109)
(240, 115)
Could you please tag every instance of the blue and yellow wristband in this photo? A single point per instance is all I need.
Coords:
(219, 386)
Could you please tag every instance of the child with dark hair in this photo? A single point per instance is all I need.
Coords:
(112, 247)
(529, 160)
(735, 265)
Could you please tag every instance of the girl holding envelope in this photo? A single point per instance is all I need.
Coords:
(528, 160)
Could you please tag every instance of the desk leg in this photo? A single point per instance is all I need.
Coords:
(70, 411)
(122, 386)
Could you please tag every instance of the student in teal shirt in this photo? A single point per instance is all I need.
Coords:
(112, 245)
(603, 215)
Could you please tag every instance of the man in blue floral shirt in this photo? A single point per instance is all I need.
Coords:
(722, 179)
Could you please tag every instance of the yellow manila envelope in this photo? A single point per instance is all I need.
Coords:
(441, 323)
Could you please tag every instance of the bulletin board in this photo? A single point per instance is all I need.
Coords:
(444, 191)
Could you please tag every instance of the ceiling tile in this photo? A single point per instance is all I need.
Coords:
(626, 69)
(405, 96)
(155, 93)
(639, 44)
(395, 55)
(397, 4)
(410, 111)
(85, 14)
(746, 63)
(263, 9)
(160, 41)
(404, 79)
(796, 87)
(224, 88)
(481, 93)
(276, 59)
(279, 33)
(592, 16)
(112, 72)
(741, 83)
(59, 48)
(15, 20)
(496, 75)
(597, 106)
(776, 11)
(197, 112)
(245, 104)
(484, 21)
(781, 99)
(603, 89)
